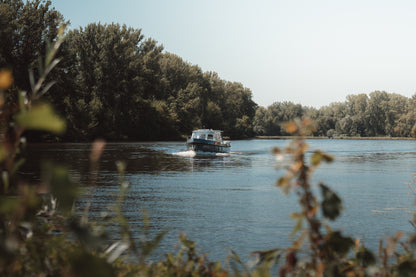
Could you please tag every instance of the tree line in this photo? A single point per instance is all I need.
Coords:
(377, 114)
(112, 82)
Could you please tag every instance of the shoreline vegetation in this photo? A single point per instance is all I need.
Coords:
(340, 137)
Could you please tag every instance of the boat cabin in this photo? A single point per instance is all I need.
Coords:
(207, 134)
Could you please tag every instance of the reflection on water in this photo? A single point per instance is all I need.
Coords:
(139, 159)
(232, 202)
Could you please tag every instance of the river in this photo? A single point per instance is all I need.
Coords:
(231, 202)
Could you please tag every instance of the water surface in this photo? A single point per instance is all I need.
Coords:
(232, 201)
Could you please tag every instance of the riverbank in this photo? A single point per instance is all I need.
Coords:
(350, 138)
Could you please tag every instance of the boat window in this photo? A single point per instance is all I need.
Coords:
(198, 135)
(210, 136)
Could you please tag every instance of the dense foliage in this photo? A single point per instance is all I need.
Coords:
(115, 84)
(377, 114)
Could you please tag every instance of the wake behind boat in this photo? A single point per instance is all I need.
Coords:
(206, 141)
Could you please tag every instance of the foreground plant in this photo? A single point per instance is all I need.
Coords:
(317, 249)
(40, 235)
(327, 248)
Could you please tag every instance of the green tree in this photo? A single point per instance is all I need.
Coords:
(406, 124)
(237, 104)
(397, 106)
(175, 75)
(376, 113)
(217, 96)
(187, 93)
(259, 121)
(150, 54)
(356, 106)
(117, 84)
(26, 30)
(268, 121)
(213, 116)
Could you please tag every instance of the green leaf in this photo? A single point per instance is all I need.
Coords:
(406, 268)
(86, 264)
(298, 227)
(41, 117)
(17, 165)
(340, 244)
(319, 156)
(331, 204)
(316, 158)
(365, 257)
(151, 245)
(327, 158)
(3, 153)
(282, 182)
(22, 99)
(61, 185)
(8, 205)
(188, 243)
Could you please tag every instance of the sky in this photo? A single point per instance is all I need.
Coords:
(309, 52)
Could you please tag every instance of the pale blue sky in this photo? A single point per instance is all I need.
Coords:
(311, 52)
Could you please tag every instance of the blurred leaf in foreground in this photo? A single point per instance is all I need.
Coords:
(41, 117)
(331, 204)
(61, 184)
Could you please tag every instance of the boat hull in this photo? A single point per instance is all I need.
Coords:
(208, 146)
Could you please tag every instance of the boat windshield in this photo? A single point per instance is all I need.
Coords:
(198, 135)
(202, 135)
